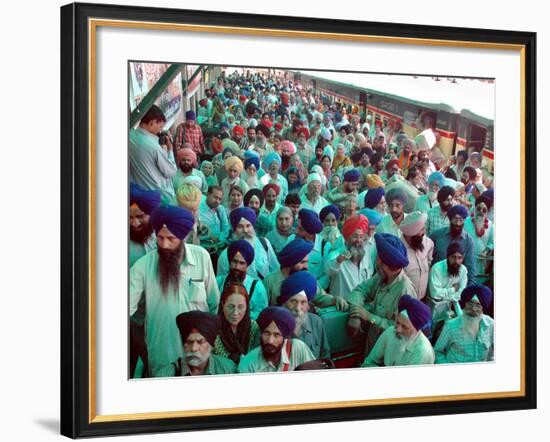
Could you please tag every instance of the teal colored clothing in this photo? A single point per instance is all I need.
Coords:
(456, 345)
(137, 250)
(254, 362)
(481, 244)
(216, 365)
(151, 166)
(386, 352)
(277, 240)
(381, 300)
(314, 335)
(266, 220)
(178, 178)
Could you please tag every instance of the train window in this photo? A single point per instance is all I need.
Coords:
(478, 136)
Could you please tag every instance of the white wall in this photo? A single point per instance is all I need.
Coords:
(30, 218)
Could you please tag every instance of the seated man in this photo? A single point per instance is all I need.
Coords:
(296, 292)
(278, 351)
(404, 343)
(470, 336)
(198, 331)
(241, 254)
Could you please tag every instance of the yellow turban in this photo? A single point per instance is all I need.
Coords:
(374, 181)
(234, 161)
(188, 196)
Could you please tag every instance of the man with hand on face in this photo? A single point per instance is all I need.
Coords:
(243, 222)
(436, 181)
(175, 278)
(404, 343)
(447, 280)
(374, 302)
(455, 233)
(470, 336)
(350, 186)
(198, 331)
(296, 293)
(241, 255)
(419, 251)
(278, 351)
(396, 199)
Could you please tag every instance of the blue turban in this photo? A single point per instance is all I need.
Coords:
(391, 250)
(436, 177)
(251, 154)
(298, 282)
(294, 252)
(489, 193)
(273, 156)
(373, 216)
(190, 115)
(331, 208)
(373, 197)
(458, 210)
(146, 200)
(281, 316)
(310, 221)
(252, 160)
(242, 212)
(352, 176)
(244, 248)
(417, 312)
(396, 194)
(483, 293)
(178, 221)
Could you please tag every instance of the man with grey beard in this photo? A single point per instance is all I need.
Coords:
(404, 343)
(198, 331)
(296, 292)
(470, 336)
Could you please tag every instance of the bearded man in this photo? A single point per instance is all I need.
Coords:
(404, 343)
(437, 215)
(277, 351)
(186, 159)
(313, 199)
(480, 228)
(175, 278)
(470, 336)
(396, 199)
(297, 291)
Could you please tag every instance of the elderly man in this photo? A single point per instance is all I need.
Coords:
(350, 185)
(152, 166)
(278, 351)
(455, 233)
(233, 167)
(296, 292)
(312, 199)
(375, 300)
(356, 264)
(375, 199)
(404, 343)
(176, 278)
(272, 164)
(436, 181)
(303, 149)
(243, 222)
(437, 215)
(190, 132)
(241, 255)
(280, 235)
(198, 331)
(396, 199)
(447, 280)
(420, 250)
(187, 163)
(470, 336)
(480, 228)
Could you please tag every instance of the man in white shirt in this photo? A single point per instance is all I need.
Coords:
(396, 199)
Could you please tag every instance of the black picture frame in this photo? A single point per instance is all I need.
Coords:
(76, 417)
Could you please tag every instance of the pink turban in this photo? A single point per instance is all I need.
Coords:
(291, 146)
(413, 223)
(187, 153)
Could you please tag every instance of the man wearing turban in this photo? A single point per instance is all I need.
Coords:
(470, 336)
(186, 159)
(214, 221)
(198, 331)
(374, 302)
(277, 351)
(350, 186)
(436, 181)
(175, 278)
(190, 132)
(241, 255)
(354, 264)
(419, 250)
(243, 223)
(312, 199)
(455, 233)
(297, 291)
(396, 199)
(268, 212)
(404, 343)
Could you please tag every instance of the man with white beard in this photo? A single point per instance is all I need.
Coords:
(356, 263)
(470, 336)
(404, 343)
(480, 228)
(243, 221)
(296, 292)
(198, 331)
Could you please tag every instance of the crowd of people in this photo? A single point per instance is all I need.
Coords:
(271, 205)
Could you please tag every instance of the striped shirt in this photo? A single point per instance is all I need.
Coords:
(436, 220)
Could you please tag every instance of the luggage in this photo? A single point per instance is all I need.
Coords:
(336, 327)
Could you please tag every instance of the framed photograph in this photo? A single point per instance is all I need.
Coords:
(450, 89)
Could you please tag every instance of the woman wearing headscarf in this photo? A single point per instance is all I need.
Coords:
(340, 159)
(207, 169)
(239, 334)
(293, 178)
(218, 112)
(254, 199)
(236, 197)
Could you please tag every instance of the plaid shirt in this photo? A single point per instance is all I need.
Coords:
(454, 345)
(191, 135)
(436, 220)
